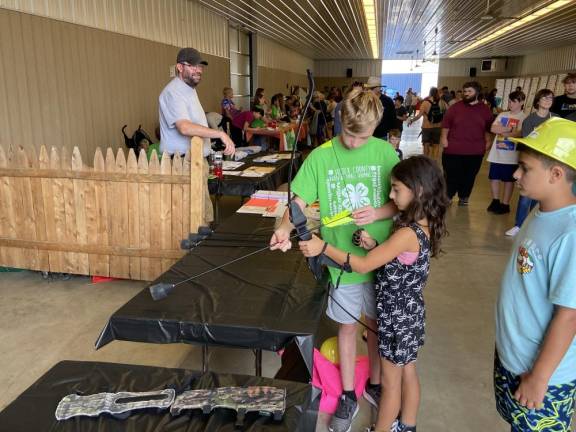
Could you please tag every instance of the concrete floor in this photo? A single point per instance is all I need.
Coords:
(44, 322)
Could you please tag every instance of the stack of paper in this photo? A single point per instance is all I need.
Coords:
(231, 165)
(266, 203)
(272, 158)
(257, 171)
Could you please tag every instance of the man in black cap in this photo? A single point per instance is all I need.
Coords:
(182, 115)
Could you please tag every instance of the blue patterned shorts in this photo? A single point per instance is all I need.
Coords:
(555, 415)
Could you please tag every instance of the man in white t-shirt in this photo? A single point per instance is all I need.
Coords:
(503, 156)
(182, 116)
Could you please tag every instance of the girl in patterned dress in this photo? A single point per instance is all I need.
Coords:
(402, 263)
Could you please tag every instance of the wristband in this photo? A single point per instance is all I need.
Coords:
(346, 266)
(324, 248)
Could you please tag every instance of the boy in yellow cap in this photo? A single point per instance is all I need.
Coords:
(535, 361)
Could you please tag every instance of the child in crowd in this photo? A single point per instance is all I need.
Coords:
(503, 157)
(542, 103)
(535, 360)
(351, 172)
(242, 121)
(402, 263)
(278, 109)
(394, 138)
(228, 106)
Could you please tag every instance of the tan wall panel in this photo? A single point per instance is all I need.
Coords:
(455, 83)
(556, 60)
(275, 81)
(65, 84)
(339, 82)
(272, 55)
(337, 68)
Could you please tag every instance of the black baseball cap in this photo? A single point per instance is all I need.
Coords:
(190, 56)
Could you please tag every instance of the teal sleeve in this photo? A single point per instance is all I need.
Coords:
(305, 184)
(562, 261)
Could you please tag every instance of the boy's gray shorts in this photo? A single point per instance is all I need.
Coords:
(355, 298)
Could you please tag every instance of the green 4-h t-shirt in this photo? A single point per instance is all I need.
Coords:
(347, 179)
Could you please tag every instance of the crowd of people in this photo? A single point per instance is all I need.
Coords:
(397, 210)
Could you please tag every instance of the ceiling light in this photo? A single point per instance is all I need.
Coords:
(371, 24)
(520, 22)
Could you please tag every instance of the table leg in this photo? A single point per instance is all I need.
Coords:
(217, 197)
(258, 362)
(204, 358)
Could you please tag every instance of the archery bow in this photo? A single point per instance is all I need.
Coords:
(297, 216)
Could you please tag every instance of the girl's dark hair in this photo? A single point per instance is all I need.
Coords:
(539, 95)
(424, 178)
(434, 93)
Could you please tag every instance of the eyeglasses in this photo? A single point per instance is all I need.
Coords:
(191, 65)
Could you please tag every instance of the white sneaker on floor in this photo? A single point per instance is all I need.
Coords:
(512, 231)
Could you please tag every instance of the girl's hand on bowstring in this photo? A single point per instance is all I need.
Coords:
(312, 247)
(364, 215)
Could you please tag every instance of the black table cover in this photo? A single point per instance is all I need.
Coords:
(34, 410)
(246, 186)
(266, 301)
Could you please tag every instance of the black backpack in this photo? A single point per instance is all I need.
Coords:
(135, 142)
(435, 113)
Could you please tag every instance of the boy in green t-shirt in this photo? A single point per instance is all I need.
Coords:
(350, 172)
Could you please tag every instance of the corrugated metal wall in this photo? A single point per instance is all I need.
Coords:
(275, 56)
(461, 67)
(337, 68)
(555, 60)
(173, 22)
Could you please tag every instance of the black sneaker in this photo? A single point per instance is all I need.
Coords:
(494, 206)
(401, 427)
(502, 209)
(372, 394)
(345, 413)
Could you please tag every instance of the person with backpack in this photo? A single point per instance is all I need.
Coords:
(432, 112)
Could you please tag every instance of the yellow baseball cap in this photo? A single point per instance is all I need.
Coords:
(555, 138)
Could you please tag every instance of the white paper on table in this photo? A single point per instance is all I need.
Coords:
(277, 211)
(248, 173)
(231, 165)
(232, 173)
(267, 159)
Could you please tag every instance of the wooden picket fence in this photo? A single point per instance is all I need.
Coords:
(121, 217)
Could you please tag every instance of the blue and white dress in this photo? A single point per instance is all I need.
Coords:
(400, 304)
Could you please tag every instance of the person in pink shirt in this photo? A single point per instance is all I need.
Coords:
(242, 121)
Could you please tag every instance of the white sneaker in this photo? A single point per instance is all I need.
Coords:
(512, 231)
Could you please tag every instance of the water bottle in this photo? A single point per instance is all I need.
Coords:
(218, 165)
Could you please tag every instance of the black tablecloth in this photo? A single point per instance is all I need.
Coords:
(34, 410)
(266, 301)
(246, 186)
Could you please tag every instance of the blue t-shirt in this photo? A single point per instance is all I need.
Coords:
(540, 274)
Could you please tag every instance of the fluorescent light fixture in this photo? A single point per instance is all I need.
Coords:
(371, 24)
(509, 27)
